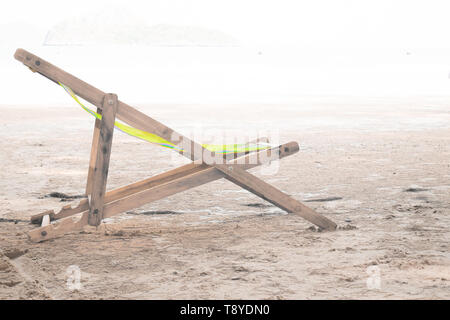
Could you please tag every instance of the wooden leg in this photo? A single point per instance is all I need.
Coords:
(93, 157)
(195, 177)
(100, 174)
(122, 192)
(116, 194)
(268, 192)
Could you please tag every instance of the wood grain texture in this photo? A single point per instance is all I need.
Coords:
(55, 230)
(55, 74)
(273, 195)
(100, 174)
(93, 157)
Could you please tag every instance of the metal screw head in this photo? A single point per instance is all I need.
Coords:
(110, 102)
(37, 62)
(44, 233)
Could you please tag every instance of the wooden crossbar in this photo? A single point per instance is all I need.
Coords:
(101, 204)
(155, 188)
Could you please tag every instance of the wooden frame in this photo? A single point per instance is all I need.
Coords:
(101, 204)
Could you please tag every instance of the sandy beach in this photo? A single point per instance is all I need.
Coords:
(378, 167)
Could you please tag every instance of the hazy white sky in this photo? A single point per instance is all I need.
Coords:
(288, 49)
(319, 23)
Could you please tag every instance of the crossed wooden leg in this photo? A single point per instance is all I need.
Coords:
(172, 182)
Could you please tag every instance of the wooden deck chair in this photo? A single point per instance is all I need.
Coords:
(100, 204)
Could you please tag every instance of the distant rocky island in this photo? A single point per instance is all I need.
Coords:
(116, 28)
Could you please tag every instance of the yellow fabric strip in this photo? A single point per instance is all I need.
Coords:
(153, 138)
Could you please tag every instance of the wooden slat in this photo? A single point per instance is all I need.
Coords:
(55, 74)
(121, 192)
(63, 226)
(126, 113)
(274, 196)
(89, 93)
(100, 174)
(93, 157)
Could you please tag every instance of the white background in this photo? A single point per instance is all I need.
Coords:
(283, 51)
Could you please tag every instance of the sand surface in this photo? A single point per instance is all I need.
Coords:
(380, 168)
